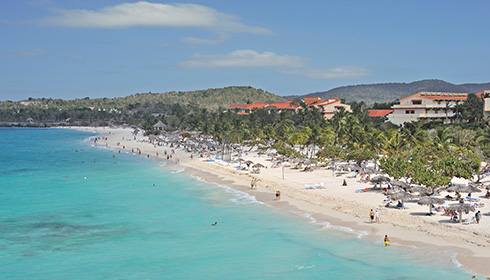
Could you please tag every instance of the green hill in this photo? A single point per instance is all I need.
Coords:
(388, 92)
(131, 109)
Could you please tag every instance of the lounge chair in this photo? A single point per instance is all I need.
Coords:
(320, 186)
(469, 221)
(308, 187)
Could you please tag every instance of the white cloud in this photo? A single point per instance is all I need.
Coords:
(337, 73)
(34, 52)
(208, 42)
(151, 14)
(243, 58)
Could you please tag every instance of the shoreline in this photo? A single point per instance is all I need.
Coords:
(461, 245)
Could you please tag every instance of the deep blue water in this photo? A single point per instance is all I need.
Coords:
(71, 211)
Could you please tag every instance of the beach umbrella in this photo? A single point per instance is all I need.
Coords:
(430, 200)
(248, 162)
(258, 165)
(370, 171)
(400, 196)
(399, 184)
(460, 208)
(420, 189)
(310, 162)
(463, 188)
(380, 179)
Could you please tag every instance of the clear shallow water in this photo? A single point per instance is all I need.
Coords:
(54, 224)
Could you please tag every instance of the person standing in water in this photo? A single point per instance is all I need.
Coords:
(387, 241)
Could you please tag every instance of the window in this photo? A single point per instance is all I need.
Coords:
(409, 111)
(416, 102)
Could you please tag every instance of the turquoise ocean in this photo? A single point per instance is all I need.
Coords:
(69, 210)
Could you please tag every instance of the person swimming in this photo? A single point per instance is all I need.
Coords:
(215, 224)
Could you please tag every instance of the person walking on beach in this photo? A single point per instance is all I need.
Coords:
(478, 217)
(377, 216)
(387, 241)
(371, 215)
(278, 195)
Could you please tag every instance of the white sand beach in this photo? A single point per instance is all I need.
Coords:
(341, 206)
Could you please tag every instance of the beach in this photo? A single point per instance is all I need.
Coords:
(340, 207)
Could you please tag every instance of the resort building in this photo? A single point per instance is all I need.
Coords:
(427, 106)
(485, 95)
(327, 107)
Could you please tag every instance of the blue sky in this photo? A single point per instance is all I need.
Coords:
(106, 48)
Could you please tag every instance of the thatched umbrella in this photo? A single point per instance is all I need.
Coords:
(399, 184)
(258, 165)
(400, 196)
(420, 189)
(430, 200)
(380, 179)
(460, 207)
(369, 171)
(462, 188)
(310, 162)
(248, 162)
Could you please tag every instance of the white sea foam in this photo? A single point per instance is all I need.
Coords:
(240, 197)
(328, 225)
(301, 267)
(455, 261)
(178, 171)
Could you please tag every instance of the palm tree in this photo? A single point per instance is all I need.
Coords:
(484, 137)
(394, 144)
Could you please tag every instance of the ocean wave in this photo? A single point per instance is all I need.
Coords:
(301, 267)
(328, 225)
(241, 198)
(178, 171)
(455, 261)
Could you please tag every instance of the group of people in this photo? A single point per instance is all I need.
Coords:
(376, 219)
(373, 215)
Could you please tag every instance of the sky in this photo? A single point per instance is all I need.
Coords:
(110, 48)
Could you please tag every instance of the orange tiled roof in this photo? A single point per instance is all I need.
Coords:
(379, 113)
(327, 101)
(438, 95)
(311, 99)
(283, 105)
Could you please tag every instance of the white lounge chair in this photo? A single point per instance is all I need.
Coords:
(320, 186)
(469, 221)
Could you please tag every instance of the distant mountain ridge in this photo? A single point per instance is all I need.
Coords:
(389, 92)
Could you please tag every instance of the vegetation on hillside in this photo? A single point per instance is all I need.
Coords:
(135, 109)
(389, 92)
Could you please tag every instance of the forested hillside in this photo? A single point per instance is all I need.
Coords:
(133, 109)
(389, 92)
